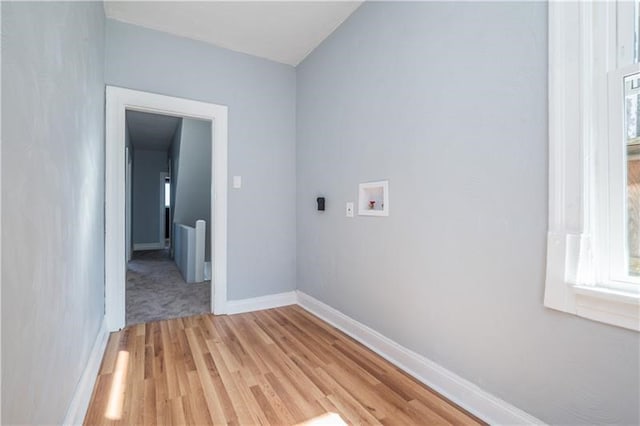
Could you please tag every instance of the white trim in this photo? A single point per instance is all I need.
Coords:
(263, 302)
(117, 101)
(462, 392)
(82, 395)
(148, 246)
(625, 32)
(620, 308)
(128, 204)
(582, 51)
(218, 222)
(1, 192)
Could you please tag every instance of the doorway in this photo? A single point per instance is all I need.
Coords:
(118, 101)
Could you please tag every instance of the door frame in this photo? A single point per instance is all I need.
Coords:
(128, 203)
(118, 100)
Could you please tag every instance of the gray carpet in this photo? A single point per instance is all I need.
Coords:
(156, 290)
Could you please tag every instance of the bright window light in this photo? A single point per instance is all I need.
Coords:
(327, 419)
(116, 396)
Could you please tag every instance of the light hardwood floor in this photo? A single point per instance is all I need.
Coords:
(279, 366)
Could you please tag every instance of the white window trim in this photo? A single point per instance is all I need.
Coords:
(583, 49)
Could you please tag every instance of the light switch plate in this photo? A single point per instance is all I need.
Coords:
(349, 210)
(237, 182)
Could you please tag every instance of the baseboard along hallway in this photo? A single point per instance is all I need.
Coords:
(277, 366)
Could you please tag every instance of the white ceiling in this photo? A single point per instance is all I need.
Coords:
(284, 31)
(151, 131)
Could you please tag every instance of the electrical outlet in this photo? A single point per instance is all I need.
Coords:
(349, 210)
(237, 182)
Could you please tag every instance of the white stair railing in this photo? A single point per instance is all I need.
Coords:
(189, 246)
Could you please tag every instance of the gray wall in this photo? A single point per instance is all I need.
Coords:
(449, 102)
(193, 177)
(261, 99)
(147, 166)
(52, 203)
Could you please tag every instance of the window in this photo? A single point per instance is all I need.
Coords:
(632, 127)
(167, 193)
(593, 247)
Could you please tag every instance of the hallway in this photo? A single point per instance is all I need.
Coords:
(157, 291)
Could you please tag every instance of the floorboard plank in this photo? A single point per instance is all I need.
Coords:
(282, 366)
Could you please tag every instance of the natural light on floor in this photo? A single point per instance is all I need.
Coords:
(327, 419)
(116, 396)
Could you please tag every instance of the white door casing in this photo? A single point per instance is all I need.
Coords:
(128, 207)
(117, 101)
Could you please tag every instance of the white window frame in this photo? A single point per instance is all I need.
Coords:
(587, 60)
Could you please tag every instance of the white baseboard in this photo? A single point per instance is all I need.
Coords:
(82, 394)
(148, 246)
(464, 393)
(260, 303)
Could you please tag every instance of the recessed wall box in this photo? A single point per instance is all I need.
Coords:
(373, 198)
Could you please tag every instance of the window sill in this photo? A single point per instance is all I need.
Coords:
(608, 306)
(598, 303)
